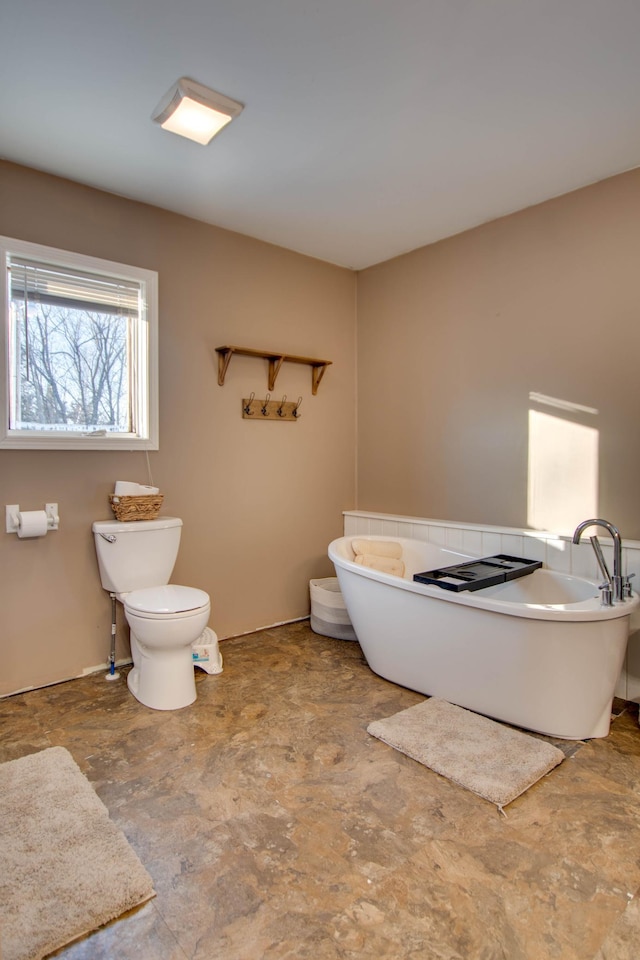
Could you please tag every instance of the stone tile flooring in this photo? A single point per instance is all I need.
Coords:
(275, 827)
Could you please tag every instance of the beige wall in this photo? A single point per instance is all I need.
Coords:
(260, 502)
(453, 338)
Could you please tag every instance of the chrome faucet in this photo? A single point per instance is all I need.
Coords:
(619, 586)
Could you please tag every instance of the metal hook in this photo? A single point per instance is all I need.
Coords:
(247, 406)
(280, 410)
(297, 407)
(265, 412)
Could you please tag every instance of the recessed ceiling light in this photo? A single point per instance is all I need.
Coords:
(194, 111)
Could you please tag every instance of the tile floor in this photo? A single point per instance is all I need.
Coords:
(275, 827)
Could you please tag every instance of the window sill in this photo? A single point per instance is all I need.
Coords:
(78, 443)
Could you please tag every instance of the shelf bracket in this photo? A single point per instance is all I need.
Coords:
(274, 369)
(317, 373)
(224, 358)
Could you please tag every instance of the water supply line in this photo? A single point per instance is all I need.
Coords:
(113, 673)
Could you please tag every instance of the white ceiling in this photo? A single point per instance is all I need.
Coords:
(370, 128)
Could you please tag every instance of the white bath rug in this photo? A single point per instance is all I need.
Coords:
(66, 868)
(492, 760)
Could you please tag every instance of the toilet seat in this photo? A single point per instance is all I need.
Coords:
(168, 602)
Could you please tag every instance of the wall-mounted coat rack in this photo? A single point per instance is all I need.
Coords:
(268, 409)
(276, 360)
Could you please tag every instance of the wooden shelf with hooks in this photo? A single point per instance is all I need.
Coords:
(276, 360)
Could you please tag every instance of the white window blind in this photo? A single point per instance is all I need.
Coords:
(48, 283)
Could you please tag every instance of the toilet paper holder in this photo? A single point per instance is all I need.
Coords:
(13, 517)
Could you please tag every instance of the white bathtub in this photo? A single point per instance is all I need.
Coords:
(539, 652)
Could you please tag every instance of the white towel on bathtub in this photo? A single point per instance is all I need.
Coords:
(377, 548)
(382, 564)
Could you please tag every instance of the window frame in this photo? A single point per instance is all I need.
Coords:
(146, 375)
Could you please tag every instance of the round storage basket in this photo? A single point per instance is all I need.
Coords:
(328, 610)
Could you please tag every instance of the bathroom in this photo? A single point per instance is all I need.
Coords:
(529, 297)
(482, 394)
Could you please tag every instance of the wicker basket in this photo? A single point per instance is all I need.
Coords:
(145, 507)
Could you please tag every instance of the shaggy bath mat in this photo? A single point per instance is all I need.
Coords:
(493, 761)
(65, 868)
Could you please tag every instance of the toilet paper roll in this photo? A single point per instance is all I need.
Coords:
(32, 523)
(125, 488)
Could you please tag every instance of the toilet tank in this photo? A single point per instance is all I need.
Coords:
(138, 553)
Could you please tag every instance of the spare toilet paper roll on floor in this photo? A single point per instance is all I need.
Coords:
(32, 523)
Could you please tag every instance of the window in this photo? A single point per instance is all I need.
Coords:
(80, 351)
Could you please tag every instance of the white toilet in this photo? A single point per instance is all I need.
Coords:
(136, 559)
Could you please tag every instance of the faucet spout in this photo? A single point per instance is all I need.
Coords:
(616, 579)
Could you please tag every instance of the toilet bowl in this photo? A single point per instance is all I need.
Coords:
(135, 561)
(164, 623)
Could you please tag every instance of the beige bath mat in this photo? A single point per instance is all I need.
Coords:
(493, 761)
(65, 868)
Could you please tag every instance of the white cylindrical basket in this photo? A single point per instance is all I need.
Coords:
(328, 610)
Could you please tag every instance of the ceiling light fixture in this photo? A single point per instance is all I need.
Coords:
(194, 111)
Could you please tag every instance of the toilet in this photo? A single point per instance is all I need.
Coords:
(136, 559)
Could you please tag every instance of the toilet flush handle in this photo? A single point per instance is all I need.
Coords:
(109, 537)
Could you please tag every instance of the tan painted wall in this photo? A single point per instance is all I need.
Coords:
(260, 502)
(452, 338)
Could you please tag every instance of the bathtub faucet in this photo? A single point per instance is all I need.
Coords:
(620, 586)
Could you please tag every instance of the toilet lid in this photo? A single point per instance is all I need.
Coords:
(171, 598)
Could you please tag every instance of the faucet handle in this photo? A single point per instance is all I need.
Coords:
(606, 594)
(626, 585)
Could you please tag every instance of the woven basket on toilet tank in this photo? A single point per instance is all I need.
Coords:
(144, 507)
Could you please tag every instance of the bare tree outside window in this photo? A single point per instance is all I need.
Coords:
(73, 369)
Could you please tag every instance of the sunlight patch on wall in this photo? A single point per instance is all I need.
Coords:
(563, 468)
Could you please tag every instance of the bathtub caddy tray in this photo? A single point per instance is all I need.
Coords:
(477, 574)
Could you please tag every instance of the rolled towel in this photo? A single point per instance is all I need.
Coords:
(377, 548)
(381, 564)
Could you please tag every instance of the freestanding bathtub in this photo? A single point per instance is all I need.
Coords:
(540, 652)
